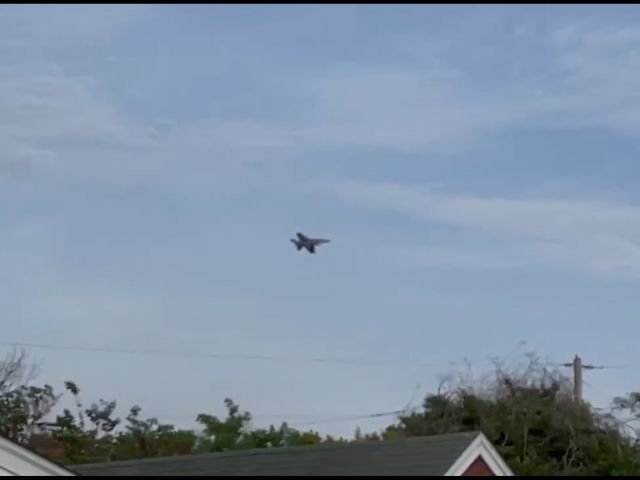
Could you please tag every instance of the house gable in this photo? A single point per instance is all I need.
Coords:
(479, 468)
(480, 458)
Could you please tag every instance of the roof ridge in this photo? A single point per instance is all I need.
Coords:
(298, 449)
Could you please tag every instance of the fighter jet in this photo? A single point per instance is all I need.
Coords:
(309, 243)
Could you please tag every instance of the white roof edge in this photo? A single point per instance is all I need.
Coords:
(481, 446)
(23, 462)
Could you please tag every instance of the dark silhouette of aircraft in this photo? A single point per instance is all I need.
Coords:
(309, 243)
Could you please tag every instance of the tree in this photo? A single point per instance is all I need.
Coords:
(96, 439)
(85, 437)
(532, 420)
(234, 433)
(529, 415)
(223, 435)
(23, 407)
(88, 435)
(629, 405)
(150, 438)
(367, 437)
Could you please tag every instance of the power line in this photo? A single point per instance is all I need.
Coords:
(322, 418)
(315, 419)
(223, 356)
(578, 367)
(252, 357)
(357, 417)
(305, 418)
(591, 367)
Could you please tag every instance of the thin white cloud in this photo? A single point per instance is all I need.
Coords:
(587, 78)
(55, 123)
(409, 257)
(58, 110)
(62, 121)
(596, 72)
(434, 109)
(596, 235)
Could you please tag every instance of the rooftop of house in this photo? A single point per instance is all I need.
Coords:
(17, 460)
(429, 455)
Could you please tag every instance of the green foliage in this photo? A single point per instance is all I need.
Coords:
(367, 437)
(22, 406)
(534, 423)
(96, 434)
(629, 405)
(150, 438)
(233, 433)
(529, 416)
(227, 434)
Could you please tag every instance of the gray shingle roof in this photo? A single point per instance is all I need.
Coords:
(430, 455)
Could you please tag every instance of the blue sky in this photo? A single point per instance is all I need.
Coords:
(475, 167)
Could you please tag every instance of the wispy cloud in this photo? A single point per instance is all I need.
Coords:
(596, 70)
(588, 77)
(55, 122)
(415, 257)
(405, 110)
(597, 235)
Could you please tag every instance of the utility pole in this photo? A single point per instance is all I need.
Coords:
(577, 379)
(577, 376)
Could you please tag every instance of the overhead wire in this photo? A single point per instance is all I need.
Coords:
(226, 356)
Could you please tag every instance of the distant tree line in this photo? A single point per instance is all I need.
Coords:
(530, 416)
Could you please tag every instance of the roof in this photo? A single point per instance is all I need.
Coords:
(430, 455)
(18, 460)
